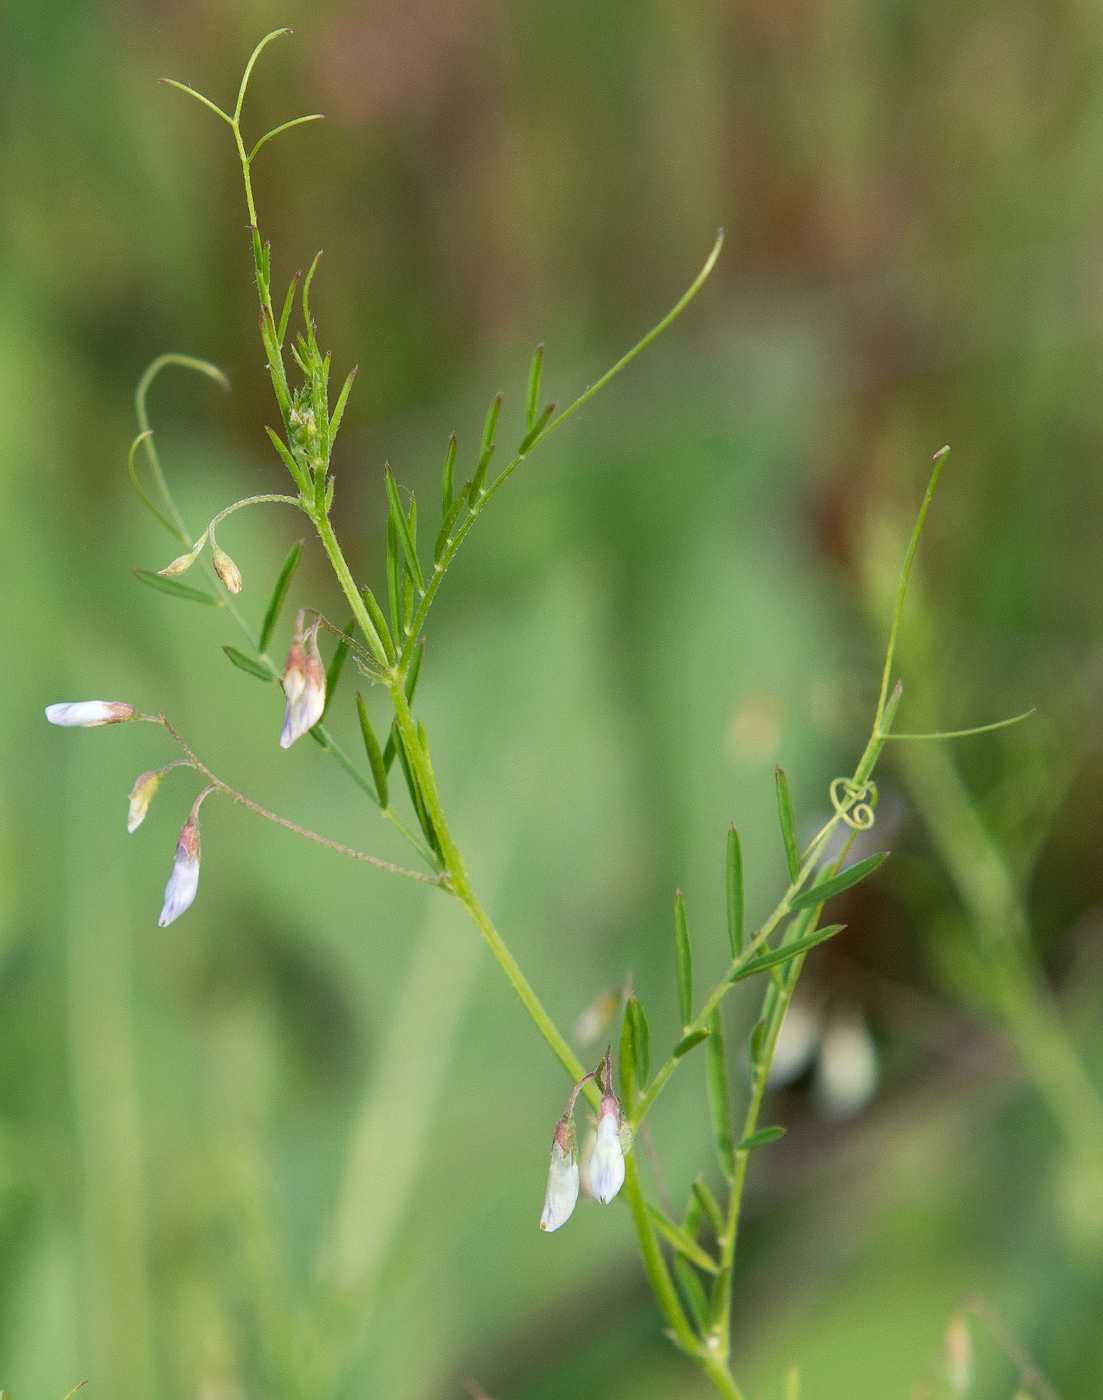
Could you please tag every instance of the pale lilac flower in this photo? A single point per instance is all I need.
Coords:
(304, 684)
(141, 796)
(562, 1191)
(87, 714)
(184, 880)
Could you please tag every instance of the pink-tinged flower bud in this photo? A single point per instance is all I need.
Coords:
(184, 880)
(141, 796)
(88, 714)
(185, 561)
(226, 569)
(304, 684)
(562, 1191)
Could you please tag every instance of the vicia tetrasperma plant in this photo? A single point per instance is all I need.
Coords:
(692, 1280)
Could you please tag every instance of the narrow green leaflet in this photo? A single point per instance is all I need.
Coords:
(447, 477)
(736, 903)
(685, 959)
(627, 1061)
(394, 578)
(371, 746)
(177, 590)
(491, 424)
(694, 1294)
(248, 665)
(760, 1139)
(415, 792)
(445, 538)
(681, 1241)
(533, 397)
(279, 593)
(379, 622)
(816, 894)
(786, 952)
(642, 1032)
(693, 1039)
(788, 825)
(403, 527)
(337, 665)
(756, 1042)
(710, 1206)
(692, 1222)
(719, 1098)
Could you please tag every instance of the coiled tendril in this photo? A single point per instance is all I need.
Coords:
(856, 804)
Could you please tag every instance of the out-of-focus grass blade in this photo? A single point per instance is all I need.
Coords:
(533, 397)
(787, 951)
(710, 1206)
(719, 1098)
(177, 590)
(642, 1034)
(760, 1139)
(248, 665)
(447, 477)
(402, 525)
(279, 593)
(685, 959)
(788, 825)
(693, 1039)
(735, 891)
(681, 1241)
(816, 894)
(371, 746)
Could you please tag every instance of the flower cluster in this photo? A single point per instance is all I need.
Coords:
(606, 1170)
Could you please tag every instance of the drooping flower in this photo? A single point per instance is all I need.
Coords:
(141, 796)
(88, 714)
(304, 684)
(184, 880)
(562, 1192)
(607, 1162)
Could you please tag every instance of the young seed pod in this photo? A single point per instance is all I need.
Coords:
(184, 562)
(89, 714)
(141, 796)
(184, 880)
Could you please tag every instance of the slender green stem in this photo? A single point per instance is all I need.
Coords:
(658, 1274)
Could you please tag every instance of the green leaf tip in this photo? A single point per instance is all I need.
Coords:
(685, 959)
(248, 665)
(817, 894)
(735, 893)
(788, 824)
(761, 1138)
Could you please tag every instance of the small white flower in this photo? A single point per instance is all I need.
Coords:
(562, 1184)
(607, 1162)
(184, 880)
(304, 684)
(141, 796)
(87, 714)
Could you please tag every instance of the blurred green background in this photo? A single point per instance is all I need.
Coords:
(673, 595)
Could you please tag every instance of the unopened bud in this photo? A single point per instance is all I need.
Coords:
(88, 714)
(184, 880)
(141, 796)
(185, 561)
(226, 569)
